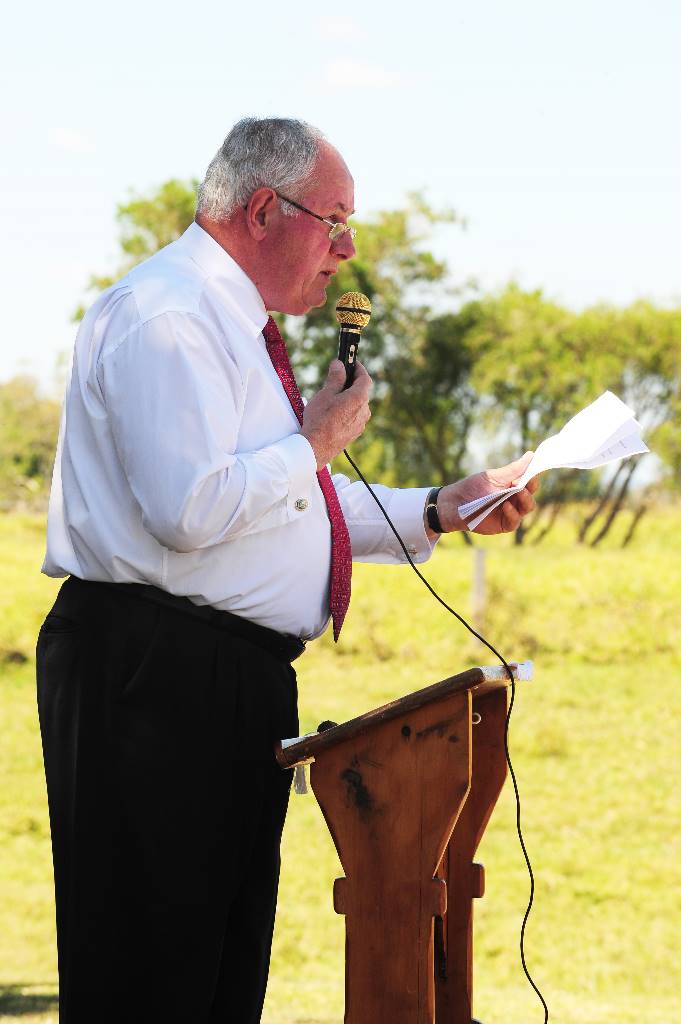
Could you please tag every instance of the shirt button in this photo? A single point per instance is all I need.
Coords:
(301, 504)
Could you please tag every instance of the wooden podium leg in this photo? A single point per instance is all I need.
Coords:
(390, 803)
(465, 880)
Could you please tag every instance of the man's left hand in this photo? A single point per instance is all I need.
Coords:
(504, 519)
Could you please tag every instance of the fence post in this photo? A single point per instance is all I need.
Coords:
(479, 595)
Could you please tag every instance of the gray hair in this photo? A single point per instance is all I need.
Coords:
(273, 152)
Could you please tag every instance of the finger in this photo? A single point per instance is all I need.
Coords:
(359, 391)
(335, 378)
(513, 471)
(533, 484)
(510, 517)
(362, 382)
(358, 427)
(361, 418)
(362, 414)
(517, 468)
(523, 502)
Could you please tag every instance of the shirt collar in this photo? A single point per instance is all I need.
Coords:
(217, 263)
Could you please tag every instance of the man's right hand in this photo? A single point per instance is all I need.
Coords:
(334, 418)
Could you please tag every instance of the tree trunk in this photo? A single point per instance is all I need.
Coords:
(638, 516)
(616, 506)
(556, 509)
(537, 516)
(602, 504)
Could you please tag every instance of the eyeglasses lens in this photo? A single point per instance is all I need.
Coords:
(338, 230)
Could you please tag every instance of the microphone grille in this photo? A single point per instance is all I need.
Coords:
(353, 308)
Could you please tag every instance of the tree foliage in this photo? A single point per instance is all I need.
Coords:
(500, 371)
(28, 432)
(408, 441)
(147, 224)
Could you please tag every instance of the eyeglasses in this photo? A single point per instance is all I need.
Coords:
(337, 228)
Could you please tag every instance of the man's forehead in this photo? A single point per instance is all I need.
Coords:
(332, 182)
(326, 194)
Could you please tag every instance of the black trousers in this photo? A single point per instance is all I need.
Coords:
(166, 807)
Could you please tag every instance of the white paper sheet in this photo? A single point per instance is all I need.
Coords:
(603, 432)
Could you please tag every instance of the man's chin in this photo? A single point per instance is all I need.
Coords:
(311, 300)
(315, 300)
(322, 292)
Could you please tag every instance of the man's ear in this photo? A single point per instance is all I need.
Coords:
(262, 207)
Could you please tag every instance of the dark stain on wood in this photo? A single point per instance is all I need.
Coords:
(439, 728)
(358, 793)
(453, 738)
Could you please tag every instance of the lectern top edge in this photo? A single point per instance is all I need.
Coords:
(481, 679)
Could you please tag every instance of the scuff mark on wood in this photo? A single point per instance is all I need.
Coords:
(437, 727)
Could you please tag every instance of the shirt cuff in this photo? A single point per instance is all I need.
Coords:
(300, 463)
(406, 509)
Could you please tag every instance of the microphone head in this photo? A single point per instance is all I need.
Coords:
(353, 309)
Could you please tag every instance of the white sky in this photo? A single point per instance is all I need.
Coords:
(553, 127)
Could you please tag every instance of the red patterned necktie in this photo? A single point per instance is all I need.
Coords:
(341, 553)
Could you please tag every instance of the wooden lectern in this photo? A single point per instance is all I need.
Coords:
(406, 791)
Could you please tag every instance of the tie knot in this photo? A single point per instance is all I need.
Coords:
(271, 332)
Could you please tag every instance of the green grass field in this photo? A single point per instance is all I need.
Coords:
(595, 740)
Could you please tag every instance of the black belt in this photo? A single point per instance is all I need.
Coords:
(282, 645)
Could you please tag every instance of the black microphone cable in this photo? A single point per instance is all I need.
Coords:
(503, 661)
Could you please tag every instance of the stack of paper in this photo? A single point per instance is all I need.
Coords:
(603, 432)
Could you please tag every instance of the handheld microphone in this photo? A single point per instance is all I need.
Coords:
(353, 312)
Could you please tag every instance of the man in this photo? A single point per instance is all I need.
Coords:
(204, 543)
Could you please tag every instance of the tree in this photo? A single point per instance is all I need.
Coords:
(513, 361)
(635, 352)
(417, 429)
(423, 406)
(147, 224)
(29, 425)
(525, 366)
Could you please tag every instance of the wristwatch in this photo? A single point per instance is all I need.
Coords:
(432, 518)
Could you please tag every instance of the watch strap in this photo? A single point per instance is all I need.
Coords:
(432, 518)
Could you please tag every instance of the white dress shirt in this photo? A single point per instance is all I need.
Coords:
(180, 462)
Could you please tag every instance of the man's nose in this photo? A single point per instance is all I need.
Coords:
(344, 247)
